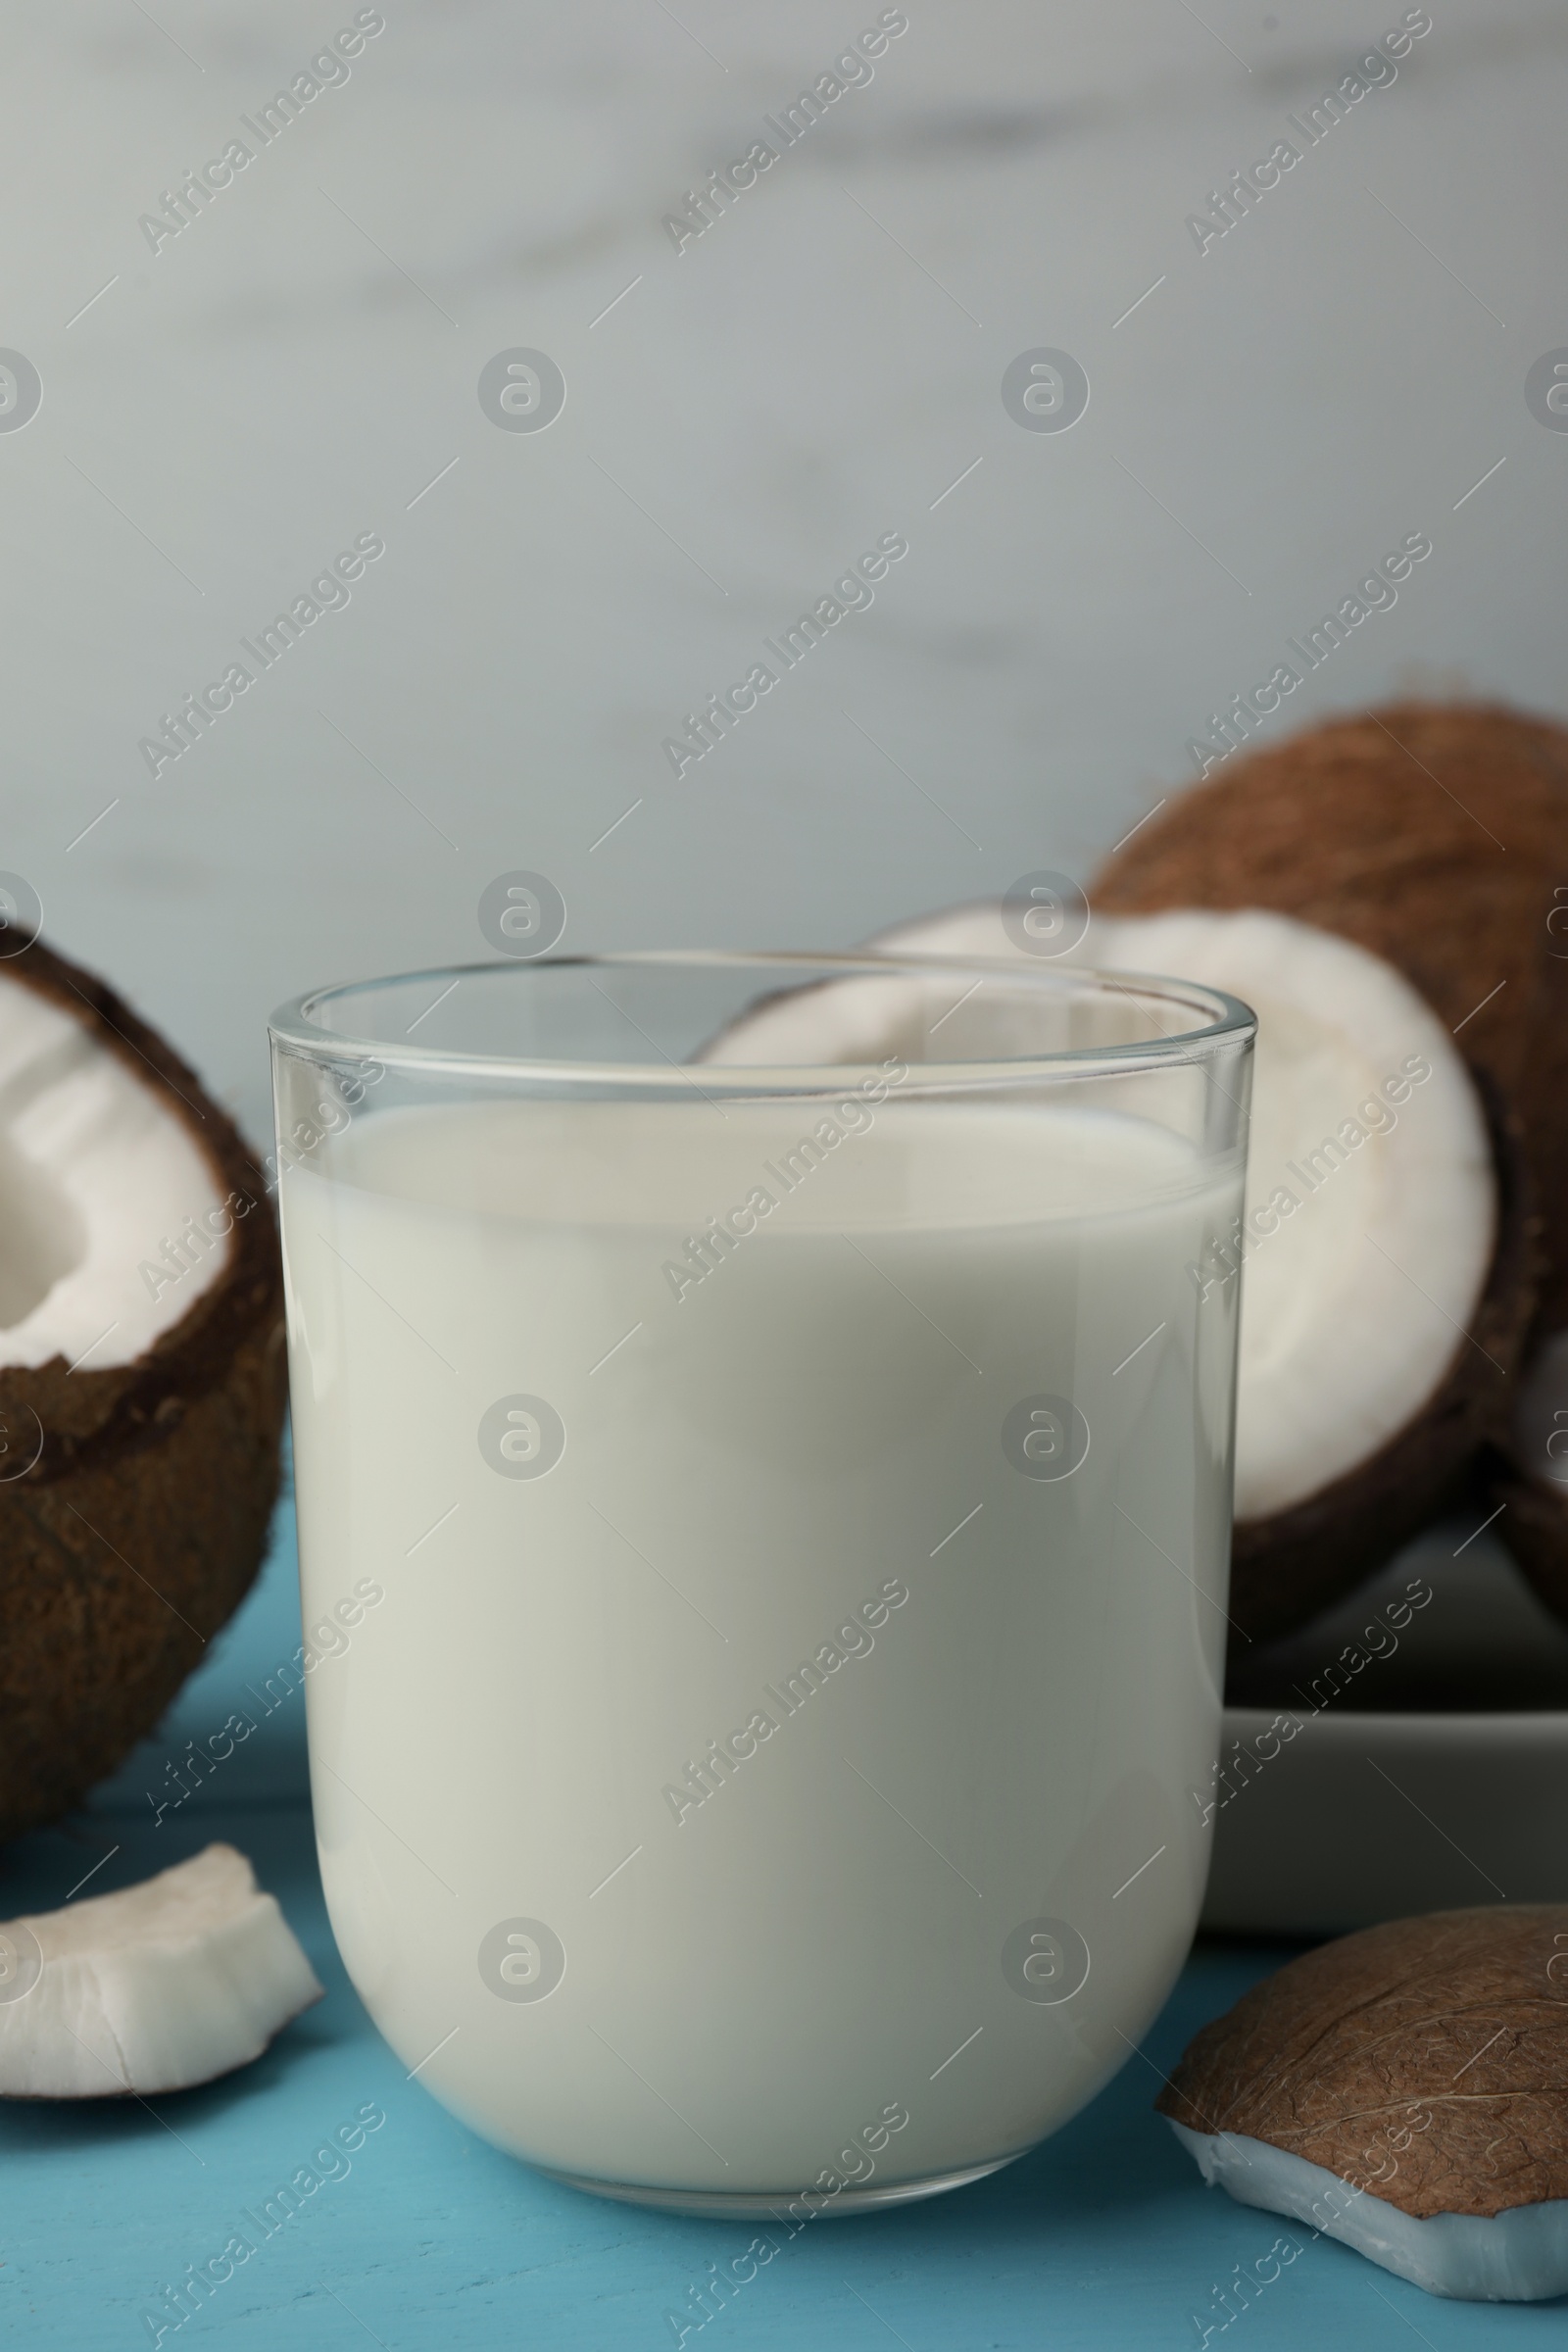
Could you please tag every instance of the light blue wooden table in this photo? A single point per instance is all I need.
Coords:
(1102, 2239)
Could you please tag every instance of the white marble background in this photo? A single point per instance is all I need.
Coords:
(299, 363)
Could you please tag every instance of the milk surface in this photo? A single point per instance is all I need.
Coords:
(762, 1774)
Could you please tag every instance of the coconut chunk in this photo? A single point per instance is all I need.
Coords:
(1401, 2090)
(99, 1176)
(159, 1986)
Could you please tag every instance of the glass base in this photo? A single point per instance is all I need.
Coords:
(722, 2201)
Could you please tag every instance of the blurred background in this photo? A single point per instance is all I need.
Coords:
(231, 393)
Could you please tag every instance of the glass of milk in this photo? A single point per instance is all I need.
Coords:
(764, 1456)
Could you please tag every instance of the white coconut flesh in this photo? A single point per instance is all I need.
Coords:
(1378, 1182)
(156, 1988)
(1517, 2256)
(112, 1220)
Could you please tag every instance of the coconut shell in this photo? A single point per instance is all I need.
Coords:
(1287, 1567)
(143, 1519)
(1425, 2061)
(1437, 836)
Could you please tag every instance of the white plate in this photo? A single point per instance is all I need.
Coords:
(1393, 1795)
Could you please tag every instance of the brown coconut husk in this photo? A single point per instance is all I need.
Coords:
(142, 1521)
(1370, 2056)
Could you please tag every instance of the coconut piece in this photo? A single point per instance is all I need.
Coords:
(161, 1985)
(1419, 2066)
(1388, 1283)
(1435, 834)
(141, 1379)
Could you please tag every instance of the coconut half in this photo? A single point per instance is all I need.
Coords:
(159, 1986)
(1386, 1288)
(1437, 836)
(141, 1379)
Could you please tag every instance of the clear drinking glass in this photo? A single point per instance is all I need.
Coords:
(763, 1443)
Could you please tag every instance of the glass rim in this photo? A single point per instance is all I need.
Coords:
(1224, 1020)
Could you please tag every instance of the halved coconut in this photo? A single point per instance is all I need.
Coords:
(1437, 836)
(141, 1379)
(1387, 1284)
(159, 1986)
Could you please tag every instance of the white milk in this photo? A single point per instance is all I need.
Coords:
(799, 1458)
